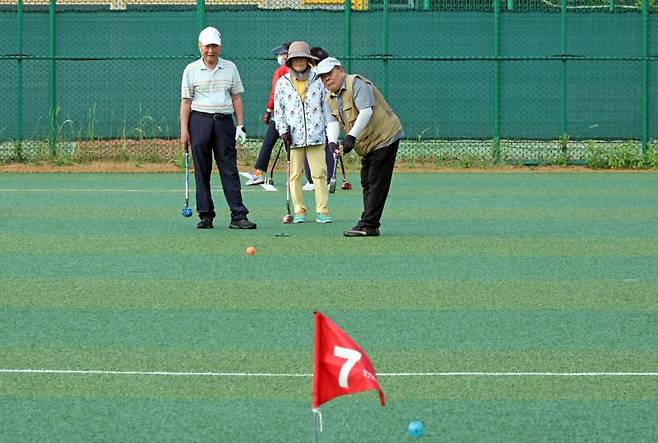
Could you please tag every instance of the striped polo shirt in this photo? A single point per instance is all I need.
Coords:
(210, 91)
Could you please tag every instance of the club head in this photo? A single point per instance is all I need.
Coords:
(332, 186)
(186, 212)
(347, 186)
(287, 219)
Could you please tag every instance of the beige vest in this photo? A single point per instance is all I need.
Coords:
(383, 124)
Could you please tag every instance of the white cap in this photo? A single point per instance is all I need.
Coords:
(210, 36)
(327, 65)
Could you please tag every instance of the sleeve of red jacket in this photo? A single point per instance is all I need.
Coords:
(278, 73)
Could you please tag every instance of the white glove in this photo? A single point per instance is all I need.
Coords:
(240, 135)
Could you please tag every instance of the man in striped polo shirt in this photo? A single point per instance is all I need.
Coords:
(210, 95)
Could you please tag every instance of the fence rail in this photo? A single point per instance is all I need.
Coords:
(499, 81)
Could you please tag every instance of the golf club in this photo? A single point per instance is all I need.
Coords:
(276, 159)
(346, 185)
(287, 219)
(332, 181)
(187, 212)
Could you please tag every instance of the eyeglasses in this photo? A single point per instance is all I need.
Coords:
(326, 75)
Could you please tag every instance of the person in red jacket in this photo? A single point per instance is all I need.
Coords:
(272, 135)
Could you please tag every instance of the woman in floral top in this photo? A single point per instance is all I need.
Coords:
(299, 115)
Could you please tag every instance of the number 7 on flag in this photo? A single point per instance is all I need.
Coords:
(351, 358)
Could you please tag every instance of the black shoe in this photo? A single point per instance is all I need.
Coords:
(205, 223)
(359, 231)
(242, 224)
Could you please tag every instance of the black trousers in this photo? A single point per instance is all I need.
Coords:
(211, 136)
(265, 152)
(376, 175)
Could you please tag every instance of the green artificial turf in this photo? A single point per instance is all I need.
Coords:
(474, 272)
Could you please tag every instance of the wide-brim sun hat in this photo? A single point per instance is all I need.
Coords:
(299, 50)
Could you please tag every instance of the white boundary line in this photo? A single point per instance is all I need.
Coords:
(161, 373)
(85, 190)
(151, 191)
(285, 375)
(520, 374)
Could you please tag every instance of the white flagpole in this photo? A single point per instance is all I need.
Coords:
(317, 419)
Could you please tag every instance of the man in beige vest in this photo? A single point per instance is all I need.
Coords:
(372, 129)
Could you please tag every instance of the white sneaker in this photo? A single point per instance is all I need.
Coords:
(308, 187)
(255, 180)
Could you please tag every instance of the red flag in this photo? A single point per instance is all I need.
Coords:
(340, 366)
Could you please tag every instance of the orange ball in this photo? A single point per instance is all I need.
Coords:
(251, 250)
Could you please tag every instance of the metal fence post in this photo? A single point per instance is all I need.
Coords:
(563, 82)
(385, 50)
(52, 77)
(19, 81)
(347, 36)
(645, 76)
(496, 83)
(200, 15)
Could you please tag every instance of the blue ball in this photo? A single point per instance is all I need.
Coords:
(187, 212)
(416, 429)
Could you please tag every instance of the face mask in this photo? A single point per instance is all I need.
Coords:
(281, 60)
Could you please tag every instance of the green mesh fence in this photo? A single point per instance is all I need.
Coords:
(497, 81)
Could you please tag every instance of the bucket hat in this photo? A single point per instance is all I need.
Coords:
(299, 50)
